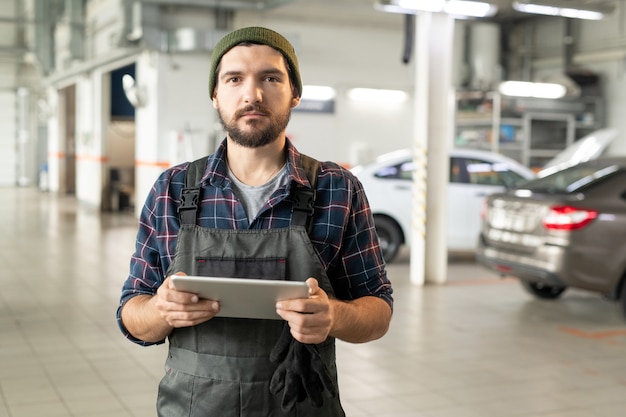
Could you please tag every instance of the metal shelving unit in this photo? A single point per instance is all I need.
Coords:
(531, 131)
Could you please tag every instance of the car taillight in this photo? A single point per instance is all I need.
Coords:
(568, 218)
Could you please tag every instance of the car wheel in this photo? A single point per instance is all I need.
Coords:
(389, 236)
(544, 291)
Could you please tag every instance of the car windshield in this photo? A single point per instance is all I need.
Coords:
(571, 179)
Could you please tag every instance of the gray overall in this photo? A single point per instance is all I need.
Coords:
(221, 368)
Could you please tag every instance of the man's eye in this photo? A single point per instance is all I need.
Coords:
(271, 79)
(233, 80)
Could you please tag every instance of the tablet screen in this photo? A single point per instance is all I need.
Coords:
(240, 297)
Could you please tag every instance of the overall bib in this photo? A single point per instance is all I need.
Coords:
(221, 368)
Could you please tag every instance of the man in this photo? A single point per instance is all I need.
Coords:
(244, 226)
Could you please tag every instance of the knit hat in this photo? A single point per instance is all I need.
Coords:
(261, 36)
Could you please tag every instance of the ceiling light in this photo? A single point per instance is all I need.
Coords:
(464, 8)
(530, 89)
(576, 9)
(376, 95)
(317, 92)
(470, 8)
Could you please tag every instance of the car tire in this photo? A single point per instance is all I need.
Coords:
(389, 236)
(544, 291)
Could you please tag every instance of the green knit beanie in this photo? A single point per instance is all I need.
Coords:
(261, 36)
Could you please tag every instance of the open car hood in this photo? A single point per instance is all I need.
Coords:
(585, 149)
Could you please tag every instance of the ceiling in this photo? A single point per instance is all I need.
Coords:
(356, 11)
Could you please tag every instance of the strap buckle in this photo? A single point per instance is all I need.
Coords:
(303, 204)
(189, 199)
(188, 208)
(303, 200)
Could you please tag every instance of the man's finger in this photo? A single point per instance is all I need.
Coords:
(313, 286)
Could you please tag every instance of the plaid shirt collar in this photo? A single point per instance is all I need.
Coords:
(216, 173)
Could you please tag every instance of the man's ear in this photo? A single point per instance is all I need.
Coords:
(295, 101)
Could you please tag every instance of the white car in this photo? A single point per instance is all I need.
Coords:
(474, 174)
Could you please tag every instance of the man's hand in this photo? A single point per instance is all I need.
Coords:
(151, 318)
(183, 309)
(310, 319)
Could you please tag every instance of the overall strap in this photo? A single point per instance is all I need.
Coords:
(190, 196)
(303, 198)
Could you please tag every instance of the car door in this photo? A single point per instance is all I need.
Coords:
(395, 193)
(471, 180)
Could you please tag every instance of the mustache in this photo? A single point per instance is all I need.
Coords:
(253, 108)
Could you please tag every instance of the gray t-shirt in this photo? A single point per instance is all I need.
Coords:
(254, 197)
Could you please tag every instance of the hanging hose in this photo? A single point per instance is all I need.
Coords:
(409, 36)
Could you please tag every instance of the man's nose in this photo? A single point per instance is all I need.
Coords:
(253, 93)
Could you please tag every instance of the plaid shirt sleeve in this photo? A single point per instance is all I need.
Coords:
(344, 235)
(156, 240)
(343, 228)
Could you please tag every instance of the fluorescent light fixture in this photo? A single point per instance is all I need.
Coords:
(530, 89)
(377, 95)
(318, 92)
(576, 9)
(462, 8)
(420, 5)
(470, 8)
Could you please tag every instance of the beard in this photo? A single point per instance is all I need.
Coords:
(255, 136)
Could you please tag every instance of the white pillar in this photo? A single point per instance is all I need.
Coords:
(56, 147)
(148, 153)
(433, 132)
(89, 147)
(23, 136)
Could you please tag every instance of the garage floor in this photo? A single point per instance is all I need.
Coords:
(476, 347)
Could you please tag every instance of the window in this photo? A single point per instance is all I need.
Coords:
(401, 171)
(462, 171)
(480, 172)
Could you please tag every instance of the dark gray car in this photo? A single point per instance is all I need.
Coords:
(567, 229)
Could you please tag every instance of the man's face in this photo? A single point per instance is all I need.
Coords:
(253, 95)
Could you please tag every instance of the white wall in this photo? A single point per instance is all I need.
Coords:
(89, 152)
(345, 57)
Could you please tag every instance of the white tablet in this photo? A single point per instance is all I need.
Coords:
(241, 297)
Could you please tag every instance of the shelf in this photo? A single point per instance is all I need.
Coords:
(511, 146)
(475, 122)
(528, 130)
(488, 122)
(474, 115)
(512, 121)
(544, 153)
